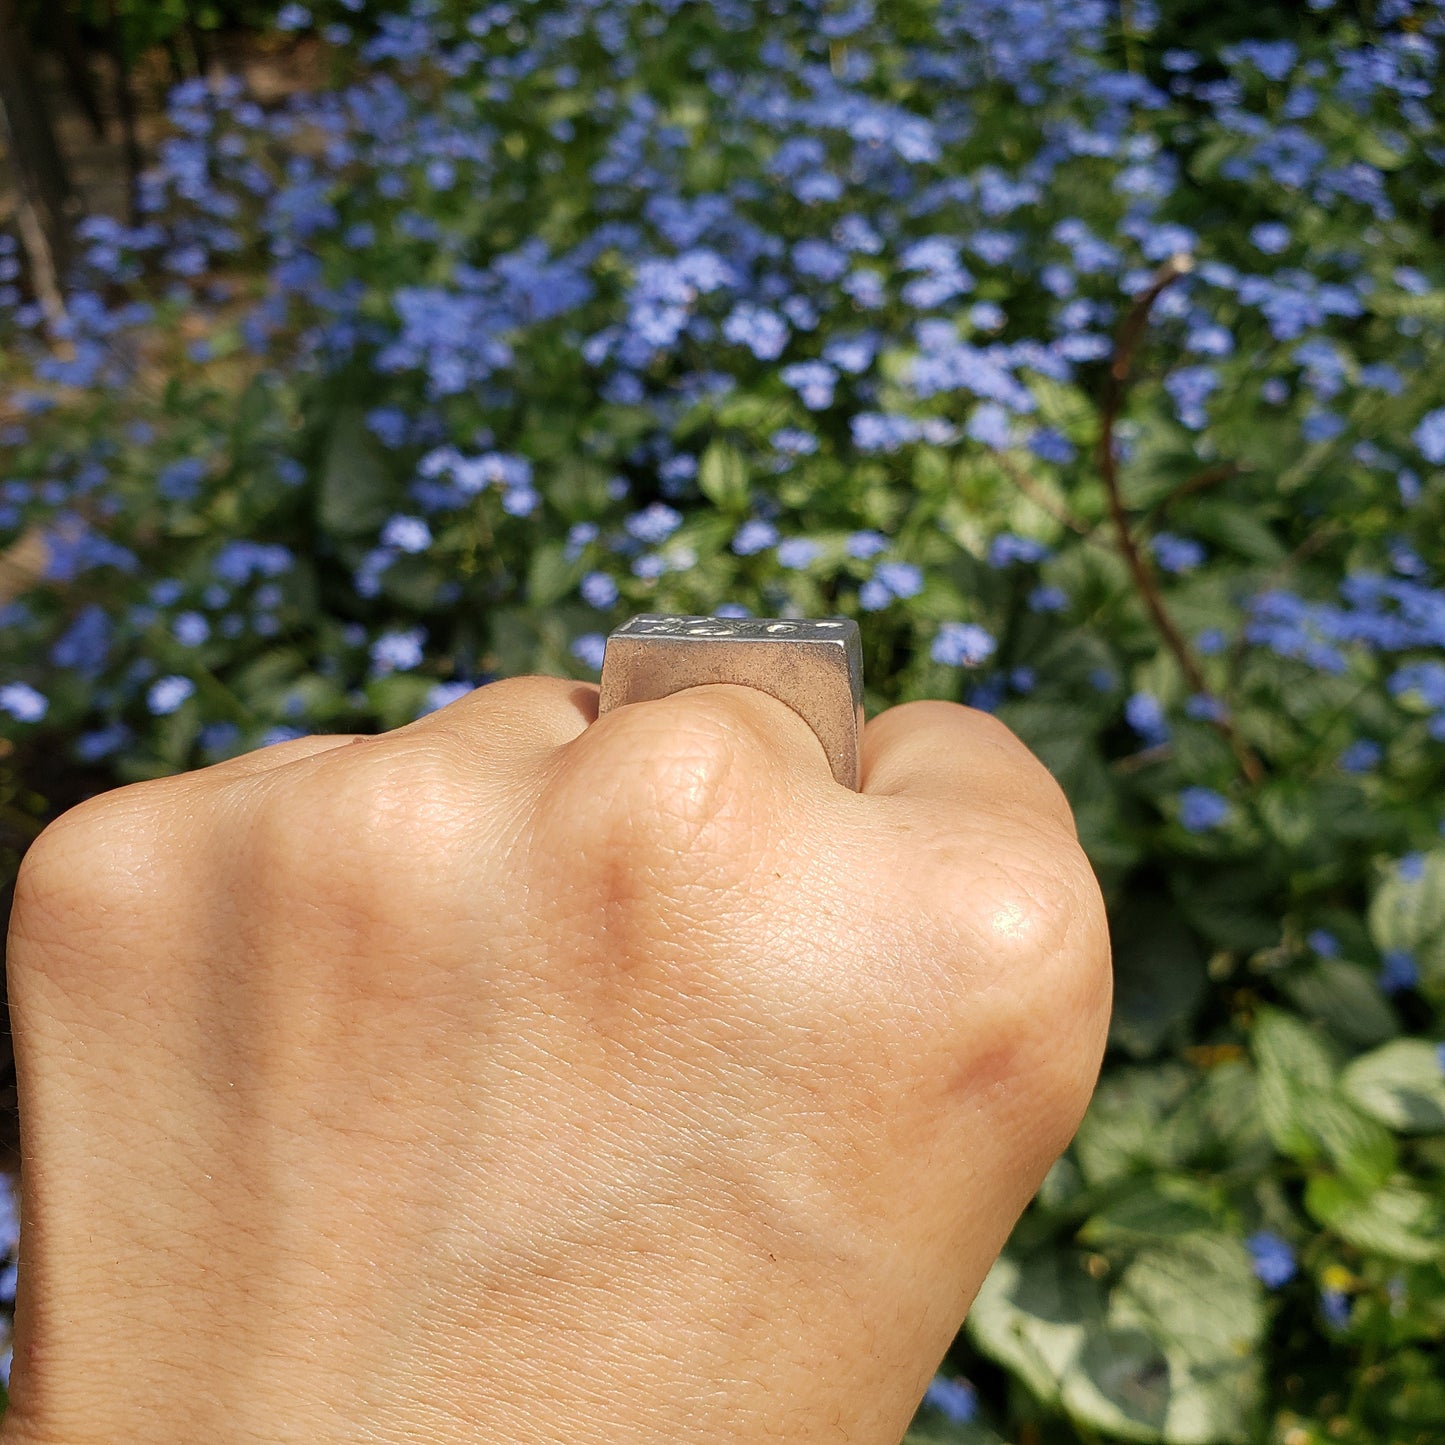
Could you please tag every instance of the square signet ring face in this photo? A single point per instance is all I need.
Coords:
(814, 666)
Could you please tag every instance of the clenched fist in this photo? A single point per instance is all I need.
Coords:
(520, 1076)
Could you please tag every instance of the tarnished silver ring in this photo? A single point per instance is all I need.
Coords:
(815, 666)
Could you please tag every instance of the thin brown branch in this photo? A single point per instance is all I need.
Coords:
(1131, 333)
(1033, 490)
(1199, 482)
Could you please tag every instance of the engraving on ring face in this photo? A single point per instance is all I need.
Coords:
(741, 629)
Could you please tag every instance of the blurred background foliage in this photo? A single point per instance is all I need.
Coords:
(1089, 354)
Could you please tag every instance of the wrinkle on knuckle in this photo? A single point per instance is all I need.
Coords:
(676, 789)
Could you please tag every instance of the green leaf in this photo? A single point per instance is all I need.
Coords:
(1231, 907)
(1151, 1211)
(1302, 1108)
(1159, 978)
(722, 477)
(1345, 998)
(1402, 1085)
(1126, 1129)
(355, 494)
(1120, 1383)
(1033, 1317)
(551, 576)
(1237, 528)
(1396, 1221)
(397, 699)
(1199, 1300)
(1409, 914)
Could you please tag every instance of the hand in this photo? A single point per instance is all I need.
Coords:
(519, 1076)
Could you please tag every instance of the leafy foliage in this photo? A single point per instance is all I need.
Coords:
(1098, 377)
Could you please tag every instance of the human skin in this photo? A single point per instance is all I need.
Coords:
(523, 1076)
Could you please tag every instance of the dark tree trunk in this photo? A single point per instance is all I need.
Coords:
(46, 201)
(198, 41)
(65, 36)
(125, 108)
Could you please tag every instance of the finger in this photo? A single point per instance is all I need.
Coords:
(515, 720)
(721, 720)
(945, 752)
(278, 755)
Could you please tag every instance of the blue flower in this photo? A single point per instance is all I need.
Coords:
(1271, 237)
(853, 354)
(754, 536)
(389, 424)
(1362, 756)
(1177, 554)
(237, 562)
(1411, 867)
(1324, 943)
(990, 424)
(875, 431)
(1047, 598)
(1145, 714)
(23, 702)
(798, 552)
(444, 694)
(813, 381)
(760, 329)
(282, 733)
(166, 694)
(1398, 971)
(92, 747)
(1202, 809)
(1272, 1258)
(1429, 437)
(292, 17)
(654, 523)
(1335, 1306)
(589, 650)
(955, 1399)
(181, 481)
(598, 590)
(1203, 707)
(579, 536)
(794, 442)
(962, 644)
(406, 534)
(863, 545)
(190, 629)
(84, 646)
(893, 579)
(1007, 548)
(1052, 446)
(399, 650)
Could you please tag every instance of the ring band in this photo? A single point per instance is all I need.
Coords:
(813, 666)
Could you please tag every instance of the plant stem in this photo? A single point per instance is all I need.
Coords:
(1130, 334)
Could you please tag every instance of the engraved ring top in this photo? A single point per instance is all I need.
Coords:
(813, 665)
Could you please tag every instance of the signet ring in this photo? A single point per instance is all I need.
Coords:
(814, 666)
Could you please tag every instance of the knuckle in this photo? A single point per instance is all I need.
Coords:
(668, 821)
(95, 862)
(678, 776)
(355, 837)
(1030, 934)
(1062, 990)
